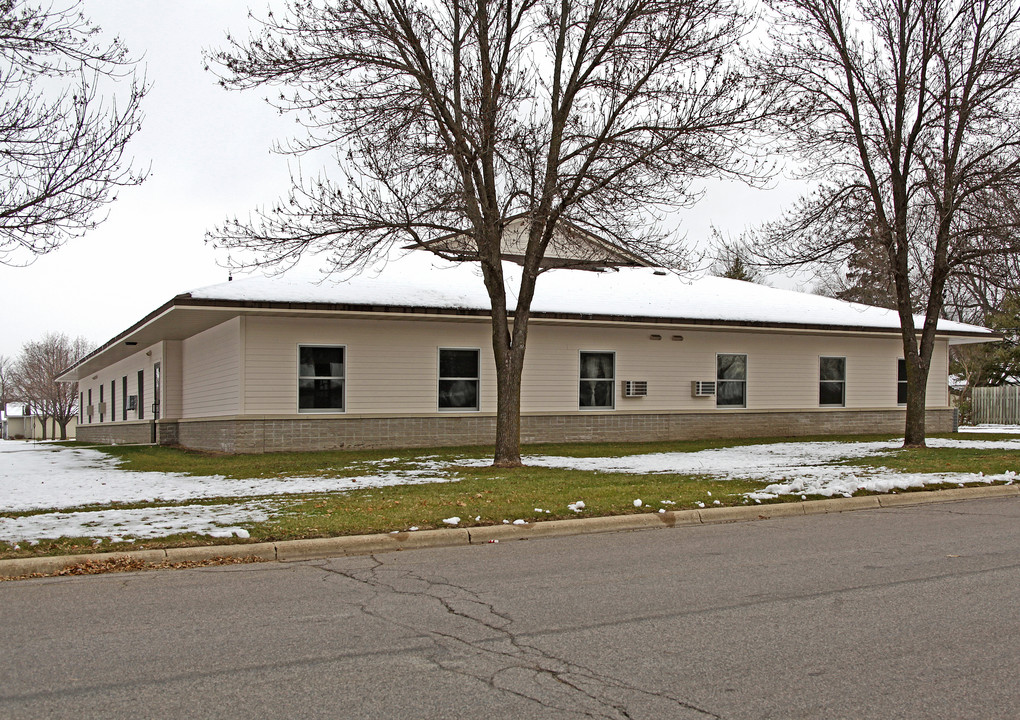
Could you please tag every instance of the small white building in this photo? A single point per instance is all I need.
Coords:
(18, 423)
(403, 357)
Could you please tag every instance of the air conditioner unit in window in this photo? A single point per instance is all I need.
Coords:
(635, 388)
(132, 402)
(702, 388)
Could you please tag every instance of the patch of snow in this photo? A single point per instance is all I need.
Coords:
(519, 522)
(1004, 429)
(452, 520)
(39, 477)
(576, 506)
(801, 468)
(142, 523)
(637, 503)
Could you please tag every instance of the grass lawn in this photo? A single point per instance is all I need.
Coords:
(482, 495)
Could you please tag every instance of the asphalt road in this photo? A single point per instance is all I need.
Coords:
(895, 613)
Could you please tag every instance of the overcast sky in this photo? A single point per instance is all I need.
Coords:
(209, 152)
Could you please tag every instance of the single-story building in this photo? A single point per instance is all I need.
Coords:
(17, 422)
(402, 357)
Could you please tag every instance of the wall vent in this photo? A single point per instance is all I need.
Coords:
(635, 388)
(703, 388)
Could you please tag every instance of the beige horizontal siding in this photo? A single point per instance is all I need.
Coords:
(211, 365)
(391, 365)
(142, 360)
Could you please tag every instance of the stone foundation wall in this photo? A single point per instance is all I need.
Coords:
(256, 435)
(122, 433)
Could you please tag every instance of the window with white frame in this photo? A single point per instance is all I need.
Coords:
(597, 380)
(458, 379)
(901, 382)
(321, 376)
(832, 381)
(731, 380)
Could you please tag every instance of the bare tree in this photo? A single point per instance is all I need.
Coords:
(6, 381)
(462, 116)
(36, 371)
(986, 296)
(733, 259)
(61, 144)
(907, 112)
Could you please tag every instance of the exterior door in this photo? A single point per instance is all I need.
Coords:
(156, 377)
(156, 386)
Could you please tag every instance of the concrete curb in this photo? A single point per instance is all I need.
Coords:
(352, 545)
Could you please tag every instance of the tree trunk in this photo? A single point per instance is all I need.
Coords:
(508, 413)
(914, 431)
(63, 430)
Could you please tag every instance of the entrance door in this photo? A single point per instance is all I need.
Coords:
(156, 394)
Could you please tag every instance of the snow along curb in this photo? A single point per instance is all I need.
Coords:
(352, 545)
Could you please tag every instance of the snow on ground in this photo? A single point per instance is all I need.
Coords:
(55, 478)
(1004, 429)
(117, 525)
(34, 477)
(810, 468)
(37, 476)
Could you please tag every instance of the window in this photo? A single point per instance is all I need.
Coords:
(901, 381)
(597, 380)
(81, 408)
(90, 404)
(458, 379)
(102, 405)
(141, 394)
(731, 380)
(123, 391)
(320, 378)
(832, 381)
(113, 400)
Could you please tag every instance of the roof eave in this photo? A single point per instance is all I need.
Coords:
(90, 362)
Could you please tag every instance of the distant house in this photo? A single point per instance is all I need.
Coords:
(18, 423)
(403, 357)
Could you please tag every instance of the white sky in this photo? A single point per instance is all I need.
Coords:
(209, 152)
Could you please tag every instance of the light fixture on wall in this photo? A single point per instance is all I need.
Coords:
(655, 337)
(148, 353)
(678, 338)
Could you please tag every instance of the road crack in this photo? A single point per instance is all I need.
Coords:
(472, 638)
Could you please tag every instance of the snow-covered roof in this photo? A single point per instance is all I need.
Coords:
(14, 409)
(420, 280)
